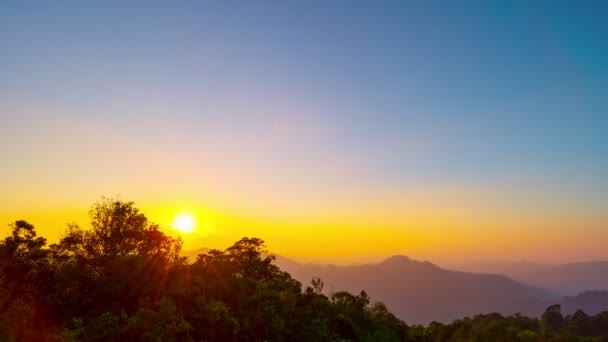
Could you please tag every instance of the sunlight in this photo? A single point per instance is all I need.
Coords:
(184, 223)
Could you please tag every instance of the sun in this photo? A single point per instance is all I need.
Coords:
(184, 223)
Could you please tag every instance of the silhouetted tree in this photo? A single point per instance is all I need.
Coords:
(124, 280)
(552, 319)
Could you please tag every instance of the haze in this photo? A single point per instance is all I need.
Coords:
(337, 131)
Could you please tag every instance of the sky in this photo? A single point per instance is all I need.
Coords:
(337, 131)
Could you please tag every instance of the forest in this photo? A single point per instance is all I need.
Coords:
(123, 279)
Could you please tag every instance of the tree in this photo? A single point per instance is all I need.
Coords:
(390, 326)
(552, 319)
(317, 285)
(24, 280)
(162, 322)
(580, 324)
(110, 267)
(118, 229)
(123, 279)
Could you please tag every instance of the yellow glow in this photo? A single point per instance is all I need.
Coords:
(450, 228)
(184, 223)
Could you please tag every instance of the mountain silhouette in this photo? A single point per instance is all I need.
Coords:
(193, 254)
(420, 292)
(567, 279)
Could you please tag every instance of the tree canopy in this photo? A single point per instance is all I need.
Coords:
(124, 279)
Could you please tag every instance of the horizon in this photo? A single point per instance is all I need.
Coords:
(338, 133)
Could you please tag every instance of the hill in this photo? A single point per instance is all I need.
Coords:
(193, 254)
(420, 292)
(567, 279)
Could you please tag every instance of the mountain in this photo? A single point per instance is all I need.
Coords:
(510, 269)
(420, 292)
(191, 255)
(567, 279)
(571, 278)
(593, 302)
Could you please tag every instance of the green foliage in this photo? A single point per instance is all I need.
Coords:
(124, 280)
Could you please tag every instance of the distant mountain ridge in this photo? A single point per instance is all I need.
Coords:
(191, 255)
(507, 268)
(567, 279)
(420, 292)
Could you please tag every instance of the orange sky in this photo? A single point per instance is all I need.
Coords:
(424, 226)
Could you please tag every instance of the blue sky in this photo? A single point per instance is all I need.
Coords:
(379, 96)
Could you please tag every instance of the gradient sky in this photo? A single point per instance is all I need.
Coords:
(335, 130)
